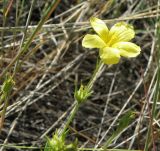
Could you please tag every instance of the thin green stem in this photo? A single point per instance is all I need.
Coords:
(24, 34)
(19, 11)
(71, 117)
(150, 139)
(153, 112)
(4, 22)
(2, 115)
(25, 48)
(97, 72)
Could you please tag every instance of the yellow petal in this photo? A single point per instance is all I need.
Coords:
(121, 32)
(127, 49)
(109, 55)
(100, 28)
(93, 41)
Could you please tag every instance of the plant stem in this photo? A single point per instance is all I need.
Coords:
(26, 46)
(150, 128)
(97, 72)
(155, 98)
(71, 117)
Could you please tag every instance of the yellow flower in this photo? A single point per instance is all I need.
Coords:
(112, 43)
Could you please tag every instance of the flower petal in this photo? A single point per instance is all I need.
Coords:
(127, 49)
(93, 41)
(100, 28)
(110, 55)
(121, 32)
